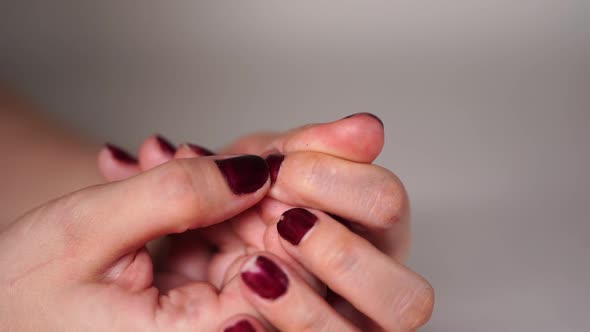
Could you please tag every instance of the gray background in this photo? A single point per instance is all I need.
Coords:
(486, 106)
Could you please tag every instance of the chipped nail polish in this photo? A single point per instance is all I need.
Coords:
(265, 278)
(295, 223)
(274, 162)
(120, 154)
(244, 174)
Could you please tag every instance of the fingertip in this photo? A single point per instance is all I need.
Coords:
(116, 164)
(295, 224)
(369, 130)
(264, 278)
(358, 138)
(155, 151)
(120, 155)
(245, 174)
(189, 150)
(270, 285)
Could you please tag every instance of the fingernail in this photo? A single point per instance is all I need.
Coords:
(241, 326)
(120, 154)
(274, 162)
(366, 113)
(201, 151)
(294, 224)
(165, 145)
(244, 174)
(265, 278)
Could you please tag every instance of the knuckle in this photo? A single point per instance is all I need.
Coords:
(342, 259)
(65, 215)
(389, 203)
(175, 188)
(315, 175)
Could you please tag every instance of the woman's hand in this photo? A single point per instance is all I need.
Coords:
(79, 263)
(392, 297)
(323, 166)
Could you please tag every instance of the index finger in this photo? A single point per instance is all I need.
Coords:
(359, 138)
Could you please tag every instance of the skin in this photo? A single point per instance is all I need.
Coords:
(40, 160)
(349, 169)
(62, 265)
(83, 256)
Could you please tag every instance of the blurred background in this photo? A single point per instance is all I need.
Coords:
(486, 106)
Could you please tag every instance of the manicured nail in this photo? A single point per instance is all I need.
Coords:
(165, 145)
(366, 113)
(241, 326)
(274, 162)
(201, 151)
(244, 174)
(120, 154)
(294, 224)
(265, 278)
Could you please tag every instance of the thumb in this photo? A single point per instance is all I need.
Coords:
(102, 223)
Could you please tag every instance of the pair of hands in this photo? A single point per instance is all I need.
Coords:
(80, 262)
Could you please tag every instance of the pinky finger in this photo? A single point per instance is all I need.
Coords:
(242, 323)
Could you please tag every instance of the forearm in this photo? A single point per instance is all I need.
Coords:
(40, 160)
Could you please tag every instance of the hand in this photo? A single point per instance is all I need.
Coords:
(356, 141)
(79, 263)
(326, 166)
(392, 297)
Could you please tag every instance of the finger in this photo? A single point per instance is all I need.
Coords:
(106, 221)
(155, 151)
(236, 259)
(367, 194)
(270, 286)
(190, 150)
(359, 138)
(242, 323)
(116, 164)
(387, 292)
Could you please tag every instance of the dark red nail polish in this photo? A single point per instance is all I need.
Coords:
(201, 151)
(366, 113)
(274, 162)
(244, 174)
(120, 154)
(165, 145)
(295, 223)
(265, 278)
(241, 326)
